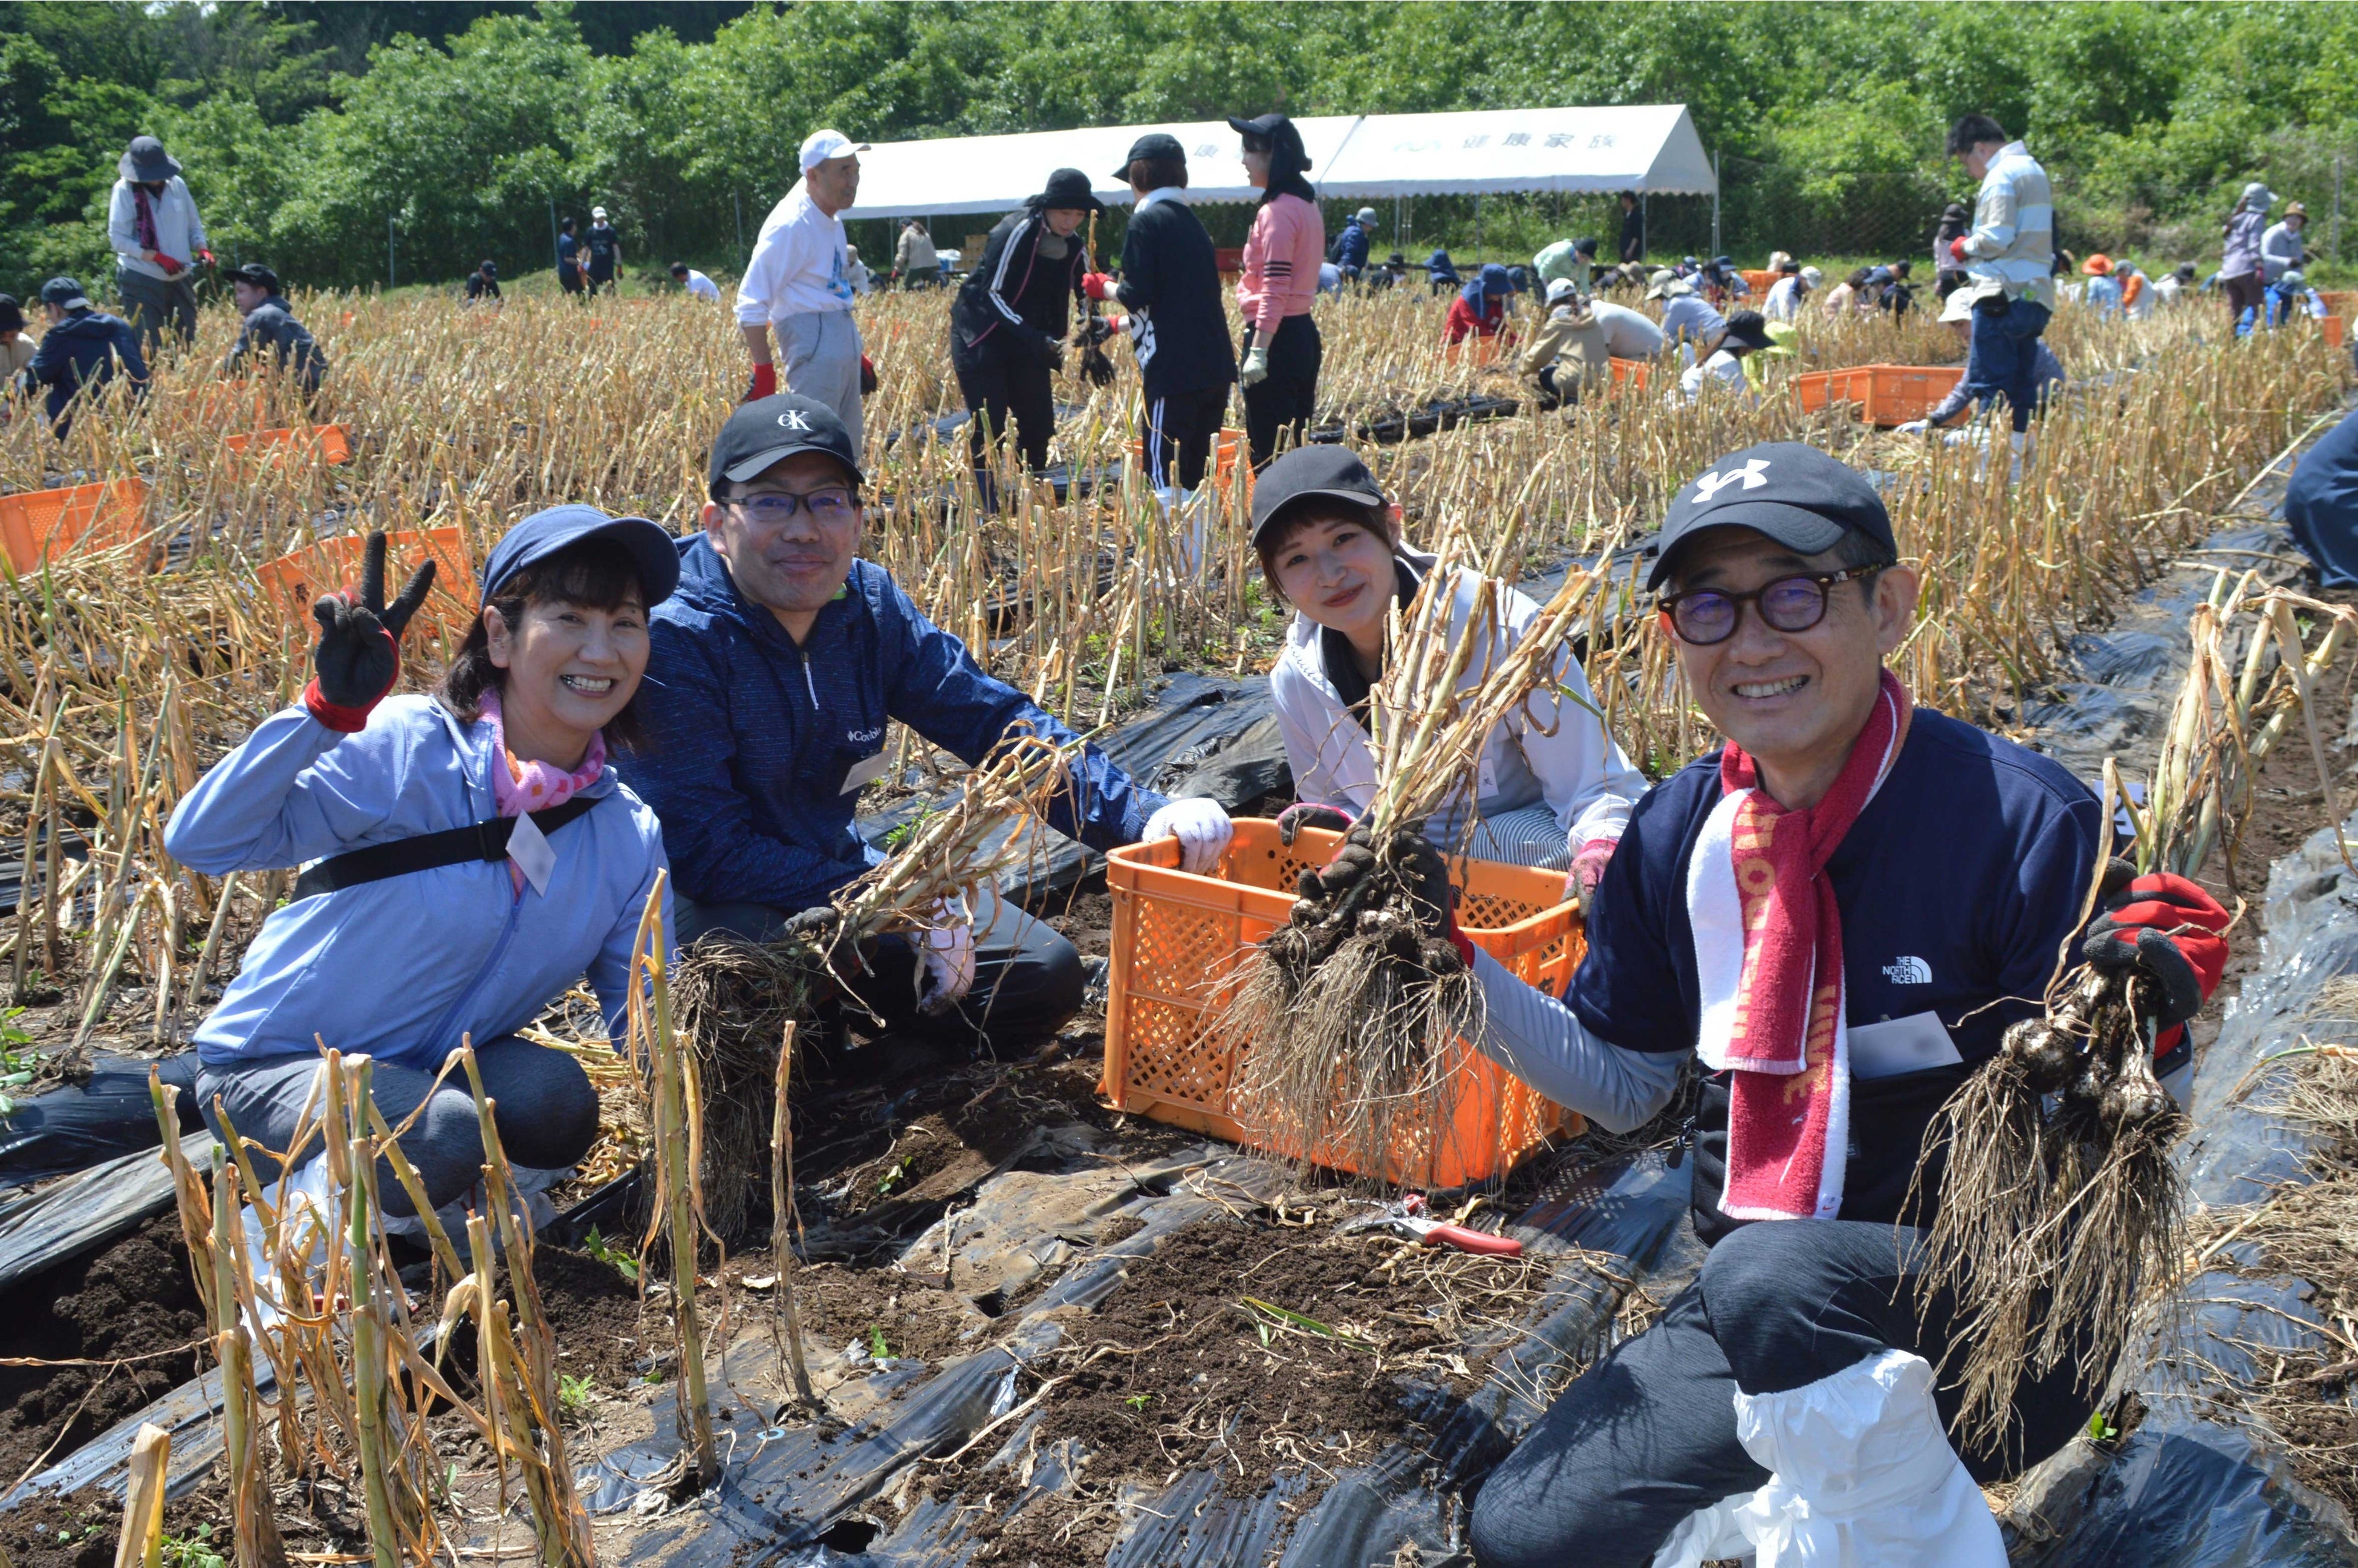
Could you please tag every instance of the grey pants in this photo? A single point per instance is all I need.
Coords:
(818, 358)
(1529, 836)
(546, 1114)
(152, 304)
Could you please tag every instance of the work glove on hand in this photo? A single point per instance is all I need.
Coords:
(1420, 866)
(1098, 286)
(359, 656)
(1957, 250)
(2167, 929)
(765, 382)
(1202, 828)
(867, 376)
(1310, 814)
(207, 257)
(1588, 870)
(946, 955)
(173, 265)
(1051, 350)
(1256, 366)
(1913, 428)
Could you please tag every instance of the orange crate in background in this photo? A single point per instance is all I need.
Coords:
(332, 442)
(1885, 394)
(1229, 453)
(2331, 326)
(2341, 302)
(1758, 279)
(1176, 942)
(41, 524)
(1632, 372)
(294, 580)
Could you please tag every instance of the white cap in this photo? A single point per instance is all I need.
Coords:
(821, 145)
(1364, 212)
(1958, 306)
(1811, 276)
(1561, 289)
(597, 212)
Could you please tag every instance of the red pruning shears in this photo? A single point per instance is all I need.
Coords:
(1409, 1216)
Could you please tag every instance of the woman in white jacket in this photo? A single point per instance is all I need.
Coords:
(1553, 789)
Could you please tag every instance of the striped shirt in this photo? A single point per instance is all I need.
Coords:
(1282, 256)
(2011, 251)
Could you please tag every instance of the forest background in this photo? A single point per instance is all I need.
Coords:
(346, 142)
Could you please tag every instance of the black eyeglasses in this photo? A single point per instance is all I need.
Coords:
(771, 507)
(1705, 615)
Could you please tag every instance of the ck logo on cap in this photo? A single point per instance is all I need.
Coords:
(1754, 474)
(792, 419)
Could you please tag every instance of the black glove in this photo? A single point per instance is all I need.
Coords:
(1308, 814)
(1052, 353)
(359, 656)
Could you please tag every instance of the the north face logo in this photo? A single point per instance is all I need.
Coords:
(792, 419)
(1908, 971)
(1754, 474)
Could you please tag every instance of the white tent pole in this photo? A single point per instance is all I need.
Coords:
(1715, 201)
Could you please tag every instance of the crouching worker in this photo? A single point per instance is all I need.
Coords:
(775, 670)
(1794, 1375)
(470, 855)
(1570, 351)
(271, 326)
(1553, 789)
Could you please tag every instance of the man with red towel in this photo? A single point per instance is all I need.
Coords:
(1840, 912)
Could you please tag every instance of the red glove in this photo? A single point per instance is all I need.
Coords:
(2171, 931)
(765, 383)
(1118, 323)
(173, 265)
(1957, 250)
(867, 376)
(209, 258)
(1097, 285)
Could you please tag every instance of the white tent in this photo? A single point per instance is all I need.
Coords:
(1646, 148)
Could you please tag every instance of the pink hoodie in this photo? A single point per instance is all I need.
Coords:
(1281, 257)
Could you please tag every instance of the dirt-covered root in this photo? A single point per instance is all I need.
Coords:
(735, 999)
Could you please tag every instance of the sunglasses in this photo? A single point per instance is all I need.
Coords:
(1704, 616)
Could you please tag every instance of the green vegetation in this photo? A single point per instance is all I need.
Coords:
(194, 1550)
(613, 1256)
(307, 129)
(573, 1395)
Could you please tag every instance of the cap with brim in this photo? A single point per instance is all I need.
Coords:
(1958, 306)
(1335, 472)
(1561, 289)
(821, 145)
(765, 432)
(1797, 495)
(1746, 328)
(654, 552)
(65, 294)
(255, 274)
(1153, 145)
(1067, 187)
(147, 161)
(1364, 212)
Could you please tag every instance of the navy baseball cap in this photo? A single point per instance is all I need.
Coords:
(544, 534)
(1154, 143)
(1333, 472)
(768, 430)
(1797, 495)
(65, 294)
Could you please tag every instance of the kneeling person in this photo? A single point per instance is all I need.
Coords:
(775, 670)
(1938, 871)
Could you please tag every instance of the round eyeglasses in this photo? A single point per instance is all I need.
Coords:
(1703, 616)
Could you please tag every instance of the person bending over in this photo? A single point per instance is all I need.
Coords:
(1570, 351)
(1936, 874)
(271, 327)
(775, 670)
(1480, 309)
(417, 930)
(1552, 788)
(82, 348)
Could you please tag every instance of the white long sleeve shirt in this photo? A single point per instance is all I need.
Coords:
(799, 265)
(2280, 250)
(180, 233)
(1542, 1042)
(1629, 335)
(1579, 772)
(1722, 367)
(2011, 252)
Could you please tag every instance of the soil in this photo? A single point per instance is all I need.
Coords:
(133, 1298)
(593, 1311)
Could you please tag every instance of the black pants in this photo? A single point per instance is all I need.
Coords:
(1648, 1436)
(569, 278)
(601, 284)
(1027, 979)
(1288, 395)
(1557, 387)
(1177, 428)
(998, 388)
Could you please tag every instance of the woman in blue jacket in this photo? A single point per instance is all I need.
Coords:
(500, 858)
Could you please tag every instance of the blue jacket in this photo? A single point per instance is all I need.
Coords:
(1351, 248)
(754, 739)
(403, 968)
(81, 350)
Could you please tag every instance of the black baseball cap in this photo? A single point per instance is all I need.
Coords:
(652, 550)
(1797, 495)
(1154, 143)
(765, 432)
(254, 272)
(1305, 471)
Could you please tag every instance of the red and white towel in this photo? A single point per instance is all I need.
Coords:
(1769, 960)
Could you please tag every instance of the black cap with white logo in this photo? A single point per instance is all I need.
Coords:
(1797, 495)
(768, 430)
(1333, 472)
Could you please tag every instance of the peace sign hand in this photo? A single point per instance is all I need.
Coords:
(359, 656)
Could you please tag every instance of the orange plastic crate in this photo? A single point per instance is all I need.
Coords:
(294, 580)
(2341, 302)
(1632, 373)
(1885, 394)
(1228, 451)
(331, 442)
(2331, 326)
(1482, 351)
(43, 524)
(1759, 279)
(1177, 942)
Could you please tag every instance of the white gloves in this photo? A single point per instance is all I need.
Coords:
(1912, 427)
(1256, 368)
(1202, 828)
(946, 950)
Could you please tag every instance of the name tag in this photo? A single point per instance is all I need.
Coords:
(529, 847)
(1899, 1045)
(863, 774)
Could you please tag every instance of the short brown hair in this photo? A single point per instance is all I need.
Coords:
(1155, 173)
(1281, 530)
(597, 574)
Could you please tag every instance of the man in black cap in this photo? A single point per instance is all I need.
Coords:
(775, 670)
(1006, 327)
(270, 324)
(157, 239)
(83, 347)
(1936, 872)
(1171, 285)
(483, 282)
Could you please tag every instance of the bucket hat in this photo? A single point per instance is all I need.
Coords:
(146, 162)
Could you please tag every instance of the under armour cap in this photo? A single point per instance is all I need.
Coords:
(544, 534)
(1153, 145)
(1335, 471)
(821, 145)
(1797, 495)
(765, 432)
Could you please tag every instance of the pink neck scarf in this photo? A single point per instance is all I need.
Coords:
(1768, 957)
(520, 786)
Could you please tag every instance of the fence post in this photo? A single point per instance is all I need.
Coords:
(737, 202)
(1715, 201)
(553, 241)
(389, 279)
(2337, 207)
